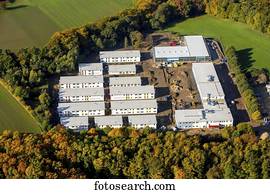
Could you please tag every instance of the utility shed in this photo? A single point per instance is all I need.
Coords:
(129, 69)
(142, 121)
(109, 121)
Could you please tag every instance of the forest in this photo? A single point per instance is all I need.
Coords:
(128, 153)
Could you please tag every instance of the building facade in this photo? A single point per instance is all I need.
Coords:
(134, 107)
(89, 69)
(81, 81)
(81, 94)
(136, 93)
(81, 109)
(130, 56)
(142, 121)
(109, 121)
(201, 118)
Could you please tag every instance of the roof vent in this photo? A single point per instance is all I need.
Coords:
(211, 78)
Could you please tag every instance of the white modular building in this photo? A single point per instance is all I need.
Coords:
(129, 56)
(134, 107)
(133, 93)
(81, 109)
(215, 112)
(75, 123)
(125, 81)
(142, 121)
(129, 69)
(91, 69)
(109, 121)
(203, 118)
(81, 94)
(207, 82)
(194, 49)
(81, 81)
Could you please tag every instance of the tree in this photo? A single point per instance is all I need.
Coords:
(183, 6)
(44, 99)
(136, 39)
(33, 77)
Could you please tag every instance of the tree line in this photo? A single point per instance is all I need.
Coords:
(255, 13)
(129, 153)
(249, 97)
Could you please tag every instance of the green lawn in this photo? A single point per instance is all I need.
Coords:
(32, 22)
(13, 116)
(253, 47)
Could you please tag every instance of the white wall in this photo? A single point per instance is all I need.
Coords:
(121, 60)
(202, 124)
(124, 85)
(88, 72)
(133, 96)
(82, 113)
(122, 72)
(81, 98)
(82, 85)
(134, 111)
(111, 126)
(139, 126)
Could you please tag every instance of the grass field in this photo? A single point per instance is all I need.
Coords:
(32, 22)
(13, 116)
(252, 46)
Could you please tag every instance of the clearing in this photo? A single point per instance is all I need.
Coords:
(252, 46)
(13, 116)
(29, 23)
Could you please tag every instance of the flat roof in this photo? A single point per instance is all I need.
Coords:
(171, 51)
(196, 46)
(109, 120)
(74, 121)
(127, 104)
(214, 89)
(81, 92)
(81, 79)
(81, 106)
(132, 90)
(202, 71)
(142, 119)
(91, 66)
(122, 68)
(207, 80)
(125, 80)
(201, 115)
(116, 54)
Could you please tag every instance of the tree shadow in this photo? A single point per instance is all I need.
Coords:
(16, 7)
(245, 58)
